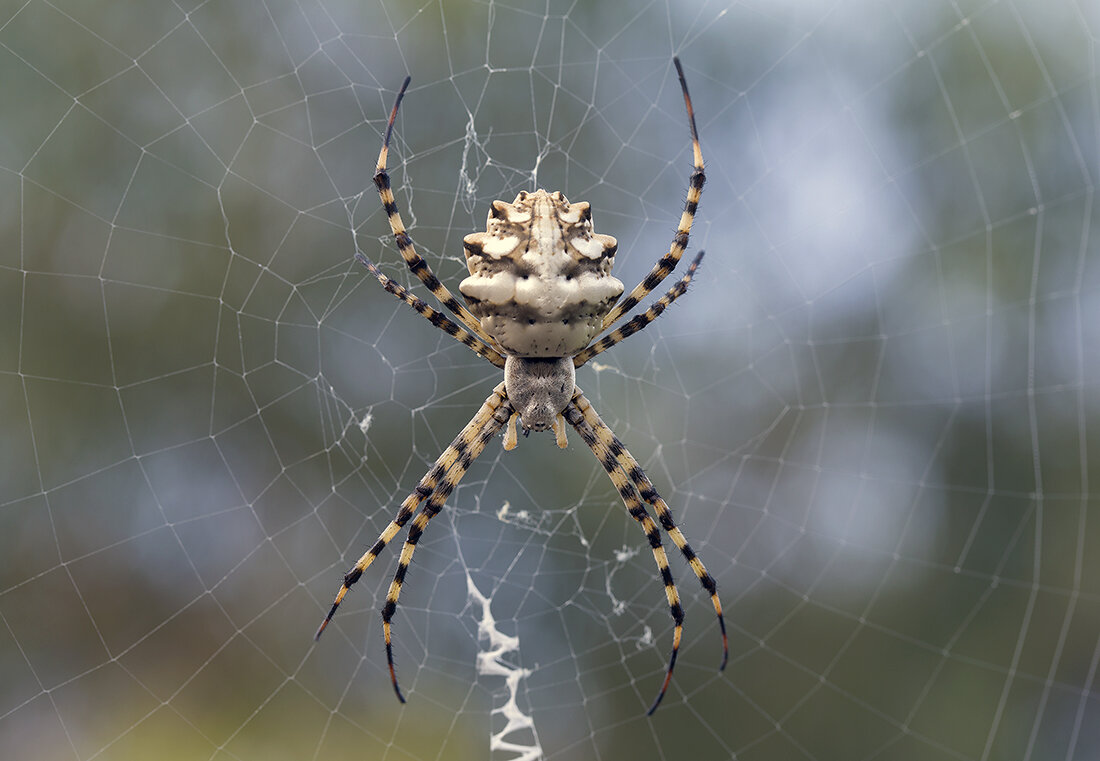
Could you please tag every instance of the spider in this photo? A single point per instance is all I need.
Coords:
(540, 291)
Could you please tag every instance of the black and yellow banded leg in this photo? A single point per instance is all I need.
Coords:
(434, 316)
(472, 447)
(634, 506)
(416, 263)
(457, 453)
(637, 322)
(668, 262)
(630, 467)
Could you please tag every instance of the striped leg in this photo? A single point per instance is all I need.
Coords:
(434, 316)
(668, 262)
(637, 322)
(473, 441)
(416, 263)
(626, 463)
(458, 452)
(609, 458)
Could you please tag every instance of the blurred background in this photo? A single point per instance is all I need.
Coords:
(874, 414)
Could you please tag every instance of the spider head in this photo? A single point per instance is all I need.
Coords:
(539, 388)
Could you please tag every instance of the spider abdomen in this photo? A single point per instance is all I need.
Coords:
(540, 279)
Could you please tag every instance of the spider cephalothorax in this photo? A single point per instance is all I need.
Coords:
(540, 291)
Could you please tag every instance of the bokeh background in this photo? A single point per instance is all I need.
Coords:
(875, 413)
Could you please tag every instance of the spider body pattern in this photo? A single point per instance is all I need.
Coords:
(540, 279)
(540, 294)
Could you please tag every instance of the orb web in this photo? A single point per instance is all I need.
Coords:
(873, 415)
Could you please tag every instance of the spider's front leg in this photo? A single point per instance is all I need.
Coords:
(629, 466)
(470, 444)
(632, 483)
(638, 512)
(448, 469)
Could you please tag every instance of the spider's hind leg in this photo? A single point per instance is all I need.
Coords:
(639, 321)
(664, 266)
(416, 263)
(434, 316)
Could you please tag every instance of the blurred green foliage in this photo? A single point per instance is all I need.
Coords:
(875, 413)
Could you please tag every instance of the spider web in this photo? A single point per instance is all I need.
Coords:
(874, 415)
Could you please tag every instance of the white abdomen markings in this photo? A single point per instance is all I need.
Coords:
(540, 280)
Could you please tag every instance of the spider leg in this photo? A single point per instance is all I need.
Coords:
(457, 452)
(611, 460)
(473, 440)
(637, 322)
(668, 262)
(434, 316)
(628, 465)
(416, 263)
